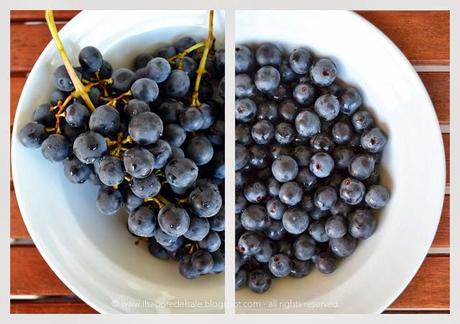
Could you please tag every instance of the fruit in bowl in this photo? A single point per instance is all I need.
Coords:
(392, 93)
(309, 132)
(149, 135)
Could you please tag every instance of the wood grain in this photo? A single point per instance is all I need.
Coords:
(26, 44)
(442, 237)
(54, 306)
(18, 229)
(429, 288)
(438, 87)
(39, 15)
(31, 275)
(423, 36)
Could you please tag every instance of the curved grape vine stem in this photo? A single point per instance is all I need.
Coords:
(79, 87)
(202, 66)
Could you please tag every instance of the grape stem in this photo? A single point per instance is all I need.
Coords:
(185, 52)
(79, 87)
(202, 66)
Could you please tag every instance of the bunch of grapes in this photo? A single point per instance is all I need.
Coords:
(152, 138)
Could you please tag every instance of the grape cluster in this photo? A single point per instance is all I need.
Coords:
(307, 151)
(153, 142)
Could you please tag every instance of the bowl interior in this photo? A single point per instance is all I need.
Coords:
(370, 279)
(94, 254)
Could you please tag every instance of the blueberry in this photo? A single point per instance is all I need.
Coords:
(275, 208)
(262, 132)
(361, 166)
(284, 133)
(307, 123)
(327, 107)
(254, 218)
(317, 231)
(295, 220)
(300, 60)
(307, 179)
(245, 110)
(343, 246)
(280, 265)
(323, 72)
(377, 196)
(300, 268)
(325, 263)
(362, 120)
(259, 281)
(267, 79)
(362, 224)
(335, 227)
(302, 155)
(268, 54)
(290, 193)
(249, 243)
(321, 164)
(342, 132)
(241, 157)
(265, 252)
(304, 93)
(244, 86)
(288, 110)
(350, 100)
(244, 59)
(321, 143)
(304, 247)
(325, 197)
(352, 191)
(374, 140)
(342, 157)
(284, 168)
(267, 110)
(275, 231)
(255, 192)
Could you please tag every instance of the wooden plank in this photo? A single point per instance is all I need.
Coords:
(31, 275)
(16, 85)
(50, 307)
(26, 44)
(18, 229)
(39, 15)
(438, 87)
(446, 140)
(429, 288)
(423, 36)
(442, 237)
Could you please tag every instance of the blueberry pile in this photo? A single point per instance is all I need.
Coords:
(152, 138)
(307, 151)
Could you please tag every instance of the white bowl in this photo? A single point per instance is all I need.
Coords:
(93, 254)
(382, 266)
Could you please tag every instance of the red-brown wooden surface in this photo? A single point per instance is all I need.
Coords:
(423, 36)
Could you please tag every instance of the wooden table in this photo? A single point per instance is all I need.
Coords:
(424, 39)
